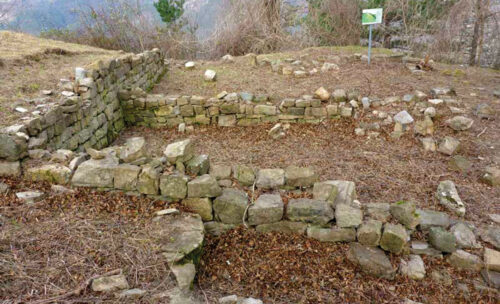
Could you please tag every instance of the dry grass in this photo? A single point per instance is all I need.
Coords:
(19, 46)
(31, 64)
(381, 79)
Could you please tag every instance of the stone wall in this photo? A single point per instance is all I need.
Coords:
(229, 109)
(88, 111)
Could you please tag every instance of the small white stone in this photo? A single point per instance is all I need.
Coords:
(46, 92)
(21, 110)
(435, 102)
(167, 212)
(182, 128)
(210, 75)
(190, 65)
(430, 111)
(67, 93)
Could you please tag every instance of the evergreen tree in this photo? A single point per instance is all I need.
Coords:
(170, 10)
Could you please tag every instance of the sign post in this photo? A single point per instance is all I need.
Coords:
(371, 17)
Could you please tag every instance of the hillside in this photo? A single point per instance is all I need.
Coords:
(29, 65)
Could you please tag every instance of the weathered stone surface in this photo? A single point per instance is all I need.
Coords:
(310, 211)
(270, 178)
(463, 260)
(448, 197)
(53, 173)
(217, 228)
(405, 213)
(62, 156)
(460, 123)
(264, 110)
(404, 118)
(394, 238)
(492, 259)
(134, 293)
(430, 218)
(11, 169)
(226, 120)
(371, 260)
(465, 236)
(300, 177)
(126, 176)
(184, 274)
(229, 299)
(180, 151)
(425, 127)
(133, 149)
(220, 171)
(448, 145)
(442, 239)
(378, 211)
(110, 284)
(348, 216)
(198, 165)
(491, 176)
(202, 206)
(204, 186)
(346, 192)
(4, 188)
(250, 301)
(423, 248)
(180, 237)
(174, 186)
(30, 197)
(149, 179)
(210, 75)
(491, 277)
(333, 234)
(429, 144)
(414, 268)
(491, 235)
(322, 94)
(12, 147)
(96, 173)
(268, 208)
(325, 191)
(230, 207)
(283, 227)
(370, 232)
(244, 175)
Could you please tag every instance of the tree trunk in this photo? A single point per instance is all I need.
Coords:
(477, 35)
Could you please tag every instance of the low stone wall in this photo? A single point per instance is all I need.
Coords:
(228, 109)
(88, 111)
(224, 197)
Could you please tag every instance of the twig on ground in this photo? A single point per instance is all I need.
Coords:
(249, 205)
(482, 132)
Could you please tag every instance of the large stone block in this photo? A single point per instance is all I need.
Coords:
(12, 147)
(126, 177)
(149, 180)
(230, 207)
(442, 240)
(96, 173)
(198, 165)
(180, 151)
(134, 149)
(174, 186)
(325, 191)
(405, 213)
(332, 235)
(11, 169)
(371, 260)
(300, 177)
(394, 238)
(348, 216)
(244, 175)
(268, 208)
(270, 178)
(202, 206)
(52, 173)
(448, 197)
(310, 211)
(370, 232)
(204, 186)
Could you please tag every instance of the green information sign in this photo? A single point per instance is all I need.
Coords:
(372, 16)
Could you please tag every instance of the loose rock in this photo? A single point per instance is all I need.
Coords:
(230, 207)
(448, 197)
(371, 260)
(442, 239)
(414, 268)
(109, 284)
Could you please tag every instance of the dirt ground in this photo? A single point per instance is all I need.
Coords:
(52, 247)
(381, 79)
(29, 65)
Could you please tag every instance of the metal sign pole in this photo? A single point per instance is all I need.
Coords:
(370, 45)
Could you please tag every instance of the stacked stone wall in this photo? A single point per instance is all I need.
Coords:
(88, 111)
